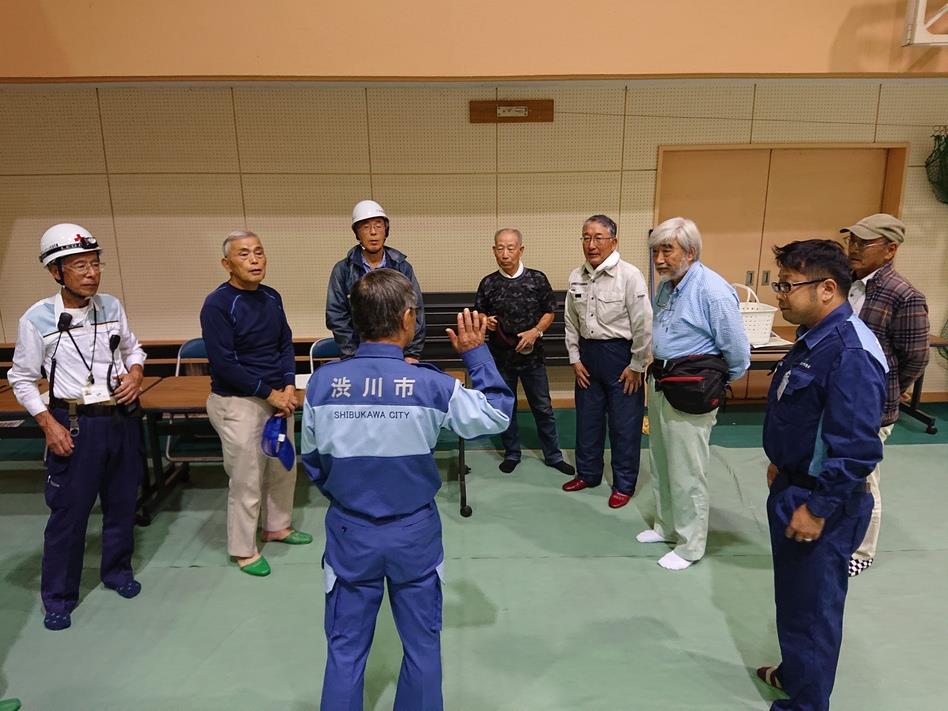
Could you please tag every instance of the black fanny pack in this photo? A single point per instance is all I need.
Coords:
(694, 384)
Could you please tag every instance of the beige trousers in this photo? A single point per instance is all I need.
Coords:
(256, 480)
(679, 451)
(867, 549)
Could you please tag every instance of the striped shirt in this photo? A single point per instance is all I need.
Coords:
(897, 313)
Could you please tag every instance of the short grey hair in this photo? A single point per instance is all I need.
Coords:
(378, 301)
(677, 229)
(511, 230)
(234, 236)
(605, 221)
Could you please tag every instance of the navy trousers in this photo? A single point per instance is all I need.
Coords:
(605, 401)
(106, 463)
(810, 584)
(536, 386)
(361, 555)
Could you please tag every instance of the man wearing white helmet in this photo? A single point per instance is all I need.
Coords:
(371, 227)
(80, 341)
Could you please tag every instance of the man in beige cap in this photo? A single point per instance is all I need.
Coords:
(896, 312)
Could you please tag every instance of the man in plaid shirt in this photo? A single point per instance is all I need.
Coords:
(896, 312)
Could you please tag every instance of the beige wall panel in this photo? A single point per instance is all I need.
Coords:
(923, 260)
(50, 131)
(725, 193)
(837, 102)
(919, 139)
(914, 103)
(688, 100)
(28, 206)
(303, 221)
(550, 209)
(302, 130)
(572, 99)
(169, 229)
(167, 130)
(638, 205)
(572, 142)
(644, 134)
(444, 223)
(414, 130)
(799, 132)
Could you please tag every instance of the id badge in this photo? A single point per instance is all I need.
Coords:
(95, 393)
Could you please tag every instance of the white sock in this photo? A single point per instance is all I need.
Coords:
(673, 561)
(650, 535)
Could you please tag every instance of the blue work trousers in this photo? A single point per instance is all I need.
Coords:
(361, 556)
(106, 462)
(604, 400)
(536, 386)
(810, 583)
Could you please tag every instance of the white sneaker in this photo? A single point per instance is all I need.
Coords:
(673, 561)
(650, 535)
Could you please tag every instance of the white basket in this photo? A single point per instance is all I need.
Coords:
(758, 318)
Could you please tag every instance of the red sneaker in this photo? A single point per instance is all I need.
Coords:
(577, 484)
(617, 500)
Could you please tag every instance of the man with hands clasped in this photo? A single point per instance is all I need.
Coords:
(821, 436)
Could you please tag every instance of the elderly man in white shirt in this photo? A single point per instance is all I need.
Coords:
(80, 340)
(609, 338)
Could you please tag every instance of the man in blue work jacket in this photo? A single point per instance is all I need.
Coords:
(370, 425)
(821, 436)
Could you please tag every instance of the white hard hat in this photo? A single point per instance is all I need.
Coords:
(65, 239)
(366, 210)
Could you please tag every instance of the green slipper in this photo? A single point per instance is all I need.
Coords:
(259, 567)
(296, 538)
(9, 705)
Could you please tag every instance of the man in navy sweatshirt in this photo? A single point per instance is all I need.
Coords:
(253, 374)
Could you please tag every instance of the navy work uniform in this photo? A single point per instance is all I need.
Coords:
(821, 431)
(106, 461)
(608, 321)
(370, 425)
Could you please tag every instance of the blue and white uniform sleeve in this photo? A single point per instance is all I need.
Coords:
(849, 431)
(309, 452)
(131, 350)
(727, 327)
(27, 366)
(218, 333)
(486, 407)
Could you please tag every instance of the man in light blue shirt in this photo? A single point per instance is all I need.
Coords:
(695, 313)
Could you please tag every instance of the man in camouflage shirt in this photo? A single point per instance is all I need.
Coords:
(520, 305)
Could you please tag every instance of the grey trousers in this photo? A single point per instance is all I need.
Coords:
(679, 450)
(867, 549)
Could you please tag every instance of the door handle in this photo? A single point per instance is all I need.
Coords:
(765, 278)
(749, 279)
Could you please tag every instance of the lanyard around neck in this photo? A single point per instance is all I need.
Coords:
(95, 333)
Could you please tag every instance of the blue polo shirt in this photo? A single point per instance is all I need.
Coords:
(824, 408)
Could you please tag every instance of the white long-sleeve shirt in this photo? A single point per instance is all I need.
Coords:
(610, 301)
(39, 335)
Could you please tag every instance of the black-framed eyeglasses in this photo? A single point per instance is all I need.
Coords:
(785, 287)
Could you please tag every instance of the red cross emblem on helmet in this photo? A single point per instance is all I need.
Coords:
(79, 238)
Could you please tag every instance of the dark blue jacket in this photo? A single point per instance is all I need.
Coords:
(824, 408)
(344, 275)
(248, 340)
